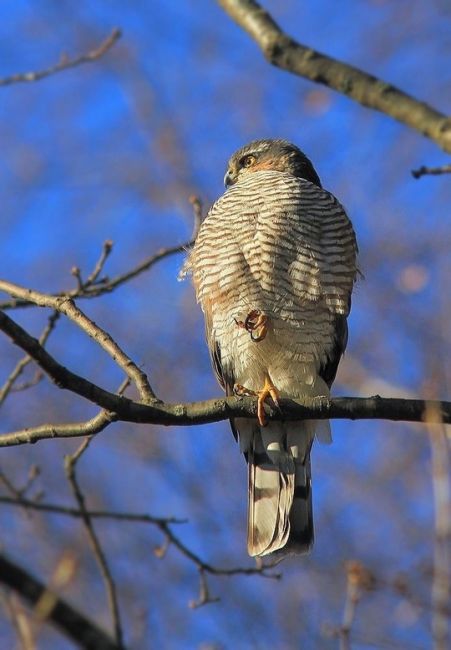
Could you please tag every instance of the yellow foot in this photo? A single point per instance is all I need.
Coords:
(269, 390)
(255, 324)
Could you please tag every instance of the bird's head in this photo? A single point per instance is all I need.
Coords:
(277, 155)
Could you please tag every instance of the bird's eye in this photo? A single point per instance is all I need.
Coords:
(247, 161)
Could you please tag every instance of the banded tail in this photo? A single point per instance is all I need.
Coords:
(280, 513)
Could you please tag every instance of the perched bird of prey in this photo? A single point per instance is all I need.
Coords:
(273, 266)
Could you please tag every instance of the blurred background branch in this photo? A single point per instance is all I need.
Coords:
(65, 63)
(77, 627)
(431, 171)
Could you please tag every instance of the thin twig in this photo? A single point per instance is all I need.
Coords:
(284, 52)
(25, 385)
(204, 593)
(162, 523)
(107, 285)
(94, 514)
(9, 384)
(20, 493)
(70, 464)
(263, 570)
(65, 63)
(69, 430)
(106, 250)
(76, 272)
(432, 171)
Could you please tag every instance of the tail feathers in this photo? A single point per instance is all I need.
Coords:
(301, 515)
(270, 499)
(280, 514)
(280, 518)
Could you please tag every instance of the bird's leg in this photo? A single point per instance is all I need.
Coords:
(269, 390)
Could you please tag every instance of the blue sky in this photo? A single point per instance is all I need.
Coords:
(112, 150)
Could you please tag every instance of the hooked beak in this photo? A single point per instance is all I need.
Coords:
(229, 178)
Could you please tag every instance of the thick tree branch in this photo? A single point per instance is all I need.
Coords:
(188, 414)
(284, 52)
(65, 63)
(83, 632)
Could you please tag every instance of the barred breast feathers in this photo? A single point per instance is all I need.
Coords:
(287, 235)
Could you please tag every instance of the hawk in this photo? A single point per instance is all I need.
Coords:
(273, 266)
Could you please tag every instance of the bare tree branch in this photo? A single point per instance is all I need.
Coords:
(92, 277)
(204, 593)
(107, 285)
(9, 384)
(434, 171)
(214, 410)
(20, 492)
(25, 385)
(67, 307)
(68, 430)
(70, 464)
(83, 632)
(284, 52)
(65, 63)
(94, 287)
(205, 567)
(162, 523)
(94, 514)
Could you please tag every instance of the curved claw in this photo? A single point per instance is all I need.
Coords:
(269, 390)
(255, 324)
(242, 391)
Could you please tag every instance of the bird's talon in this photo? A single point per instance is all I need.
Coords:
(255, 324)
(242, 391)
(261, 411)
(258, 334)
